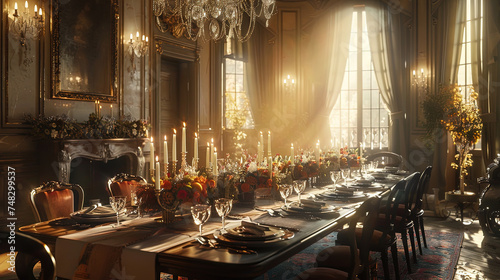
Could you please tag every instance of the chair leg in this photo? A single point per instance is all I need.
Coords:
(404, 238)
(412, 242)
(416, 226)
(423, 230)
(385, 264)
(394, 251)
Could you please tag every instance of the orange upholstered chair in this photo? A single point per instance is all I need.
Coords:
(124, 185)
(53, 200)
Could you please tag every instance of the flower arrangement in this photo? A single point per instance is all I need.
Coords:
(305, 170)
(63, 127)
(188, 190)
(458, 116)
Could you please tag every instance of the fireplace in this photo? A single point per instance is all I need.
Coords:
(91, 162)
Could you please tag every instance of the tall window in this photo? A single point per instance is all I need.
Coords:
(360, 116)
(237, 111)
(474, 14)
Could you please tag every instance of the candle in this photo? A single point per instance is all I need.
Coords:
(195, 153)
(269, 143)
(413, 73)
(212, 146)
(165, 149)
(111, 109)
(270, 165)
(292, 154)
(96, 108)
(183, 137)
(360, 149)
(261, 139)
(174, 146)
(207, 159)
(258, 152)
(99, 112)
(15, 9)
(157, 174)
(151, 155)
(216, 171)
(318, 154)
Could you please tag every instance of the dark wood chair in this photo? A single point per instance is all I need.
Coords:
(348, 261)
(384, 237)
(384, 159)
(30, 251)
(54, 199)
(124, 185)
(417, 212)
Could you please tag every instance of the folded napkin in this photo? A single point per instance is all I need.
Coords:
(251, 228)
(344, 190)
(307, 203)
(99, 212)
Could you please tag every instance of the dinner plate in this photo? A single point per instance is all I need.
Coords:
(341, 196)
(242, 233)
(249, 243)
(102, 214)
(295, 208)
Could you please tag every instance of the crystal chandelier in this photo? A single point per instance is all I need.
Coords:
(221, 19)
(27, 26)
(138, 47)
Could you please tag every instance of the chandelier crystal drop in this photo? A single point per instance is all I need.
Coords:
(216, 19)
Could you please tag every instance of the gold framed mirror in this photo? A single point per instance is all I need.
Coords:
(84, 49)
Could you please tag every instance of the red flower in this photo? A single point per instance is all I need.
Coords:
(182, 195)
(166, 184)
(245, 187)
(211, 183)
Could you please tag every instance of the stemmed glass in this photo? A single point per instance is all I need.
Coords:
(117, 204)
(299, 186)
(201, 214)
(285, 191)
(223, 207)
(345, 174)
(335, 176)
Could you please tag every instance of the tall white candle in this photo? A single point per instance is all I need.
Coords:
(195, 153)
(207, 159)
(152, 155)
(258, 153)
(157, 174)
(318, 153)
(174, 146)
(261, 139)
(269, 143)
(165, 150)
(292, 154)
(216, 171)
(111, 109)
(183, 137)
(212, 146)
(270, 166)
(360, 149)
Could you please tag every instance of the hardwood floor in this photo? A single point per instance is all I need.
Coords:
(479, 257)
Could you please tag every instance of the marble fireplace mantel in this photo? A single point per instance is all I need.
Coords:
(58, 154)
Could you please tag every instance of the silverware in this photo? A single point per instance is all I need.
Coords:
(277, 226)
(212, 243)
(271, 212)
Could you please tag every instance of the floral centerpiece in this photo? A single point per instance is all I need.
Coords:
(305, 170)
(250, 180)
(450, 110)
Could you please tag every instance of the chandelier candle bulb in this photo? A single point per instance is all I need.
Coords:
(157, 174)
(15, 9)
(151, 154)
(183, 137)
(165, 150)
(174, 146)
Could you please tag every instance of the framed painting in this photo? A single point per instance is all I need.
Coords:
(85, 49)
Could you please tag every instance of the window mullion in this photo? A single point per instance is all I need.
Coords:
(359, 129)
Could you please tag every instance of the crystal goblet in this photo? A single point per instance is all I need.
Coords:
(117, 204)
(285, 192)
(223, 206)
(201, 214)
(299, 186)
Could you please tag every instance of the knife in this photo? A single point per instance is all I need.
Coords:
(277, 226)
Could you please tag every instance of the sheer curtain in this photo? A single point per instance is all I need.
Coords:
(481, 70)
(385, 46)
(326, 78)
(448, 44)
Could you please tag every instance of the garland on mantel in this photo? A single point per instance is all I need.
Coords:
(63, 127)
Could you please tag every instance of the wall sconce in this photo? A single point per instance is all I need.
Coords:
(420, 81)
(138, 47)
(26, 26)
(289, 83)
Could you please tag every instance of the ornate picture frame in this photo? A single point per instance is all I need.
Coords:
(84, 50)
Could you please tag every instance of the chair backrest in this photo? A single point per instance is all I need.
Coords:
(411, 189)
(386, 159)
(391, 210)
(423, 185)
(29, 252)
(54, 199)
(368, 212)
(124, 185)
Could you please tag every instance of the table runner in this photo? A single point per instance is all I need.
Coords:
(122, 252)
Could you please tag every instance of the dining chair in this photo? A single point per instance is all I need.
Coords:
(125, 185)
(386, 159)
(54, 199)
(417, 211)
(384, 237)
(30, 251)
(348, 261)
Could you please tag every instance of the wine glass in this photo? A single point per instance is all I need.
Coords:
(201, 213)
(335, 176)
(285, 191)
(299, 186)
(345, 174)
(117, 204)
(223, 207)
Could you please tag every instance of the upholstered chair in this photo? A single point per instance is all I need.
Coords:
(54, 199)
(125, 185)
(384, 159)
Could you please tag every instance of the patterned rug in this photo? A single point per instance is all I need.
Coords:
(438, 261)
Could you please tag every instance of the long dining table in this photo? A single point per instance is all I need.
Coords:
(144, 248)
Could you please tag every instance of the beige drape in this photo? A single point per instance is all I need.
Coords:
(325, 68)
(448, 45)
(386, 50)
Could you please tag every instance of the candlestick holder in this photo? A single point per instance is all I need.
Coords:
(183, 163)
(165, 170)
(174, 168)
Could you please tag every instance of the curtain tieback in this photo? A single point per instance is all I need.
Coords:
(398, 115)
